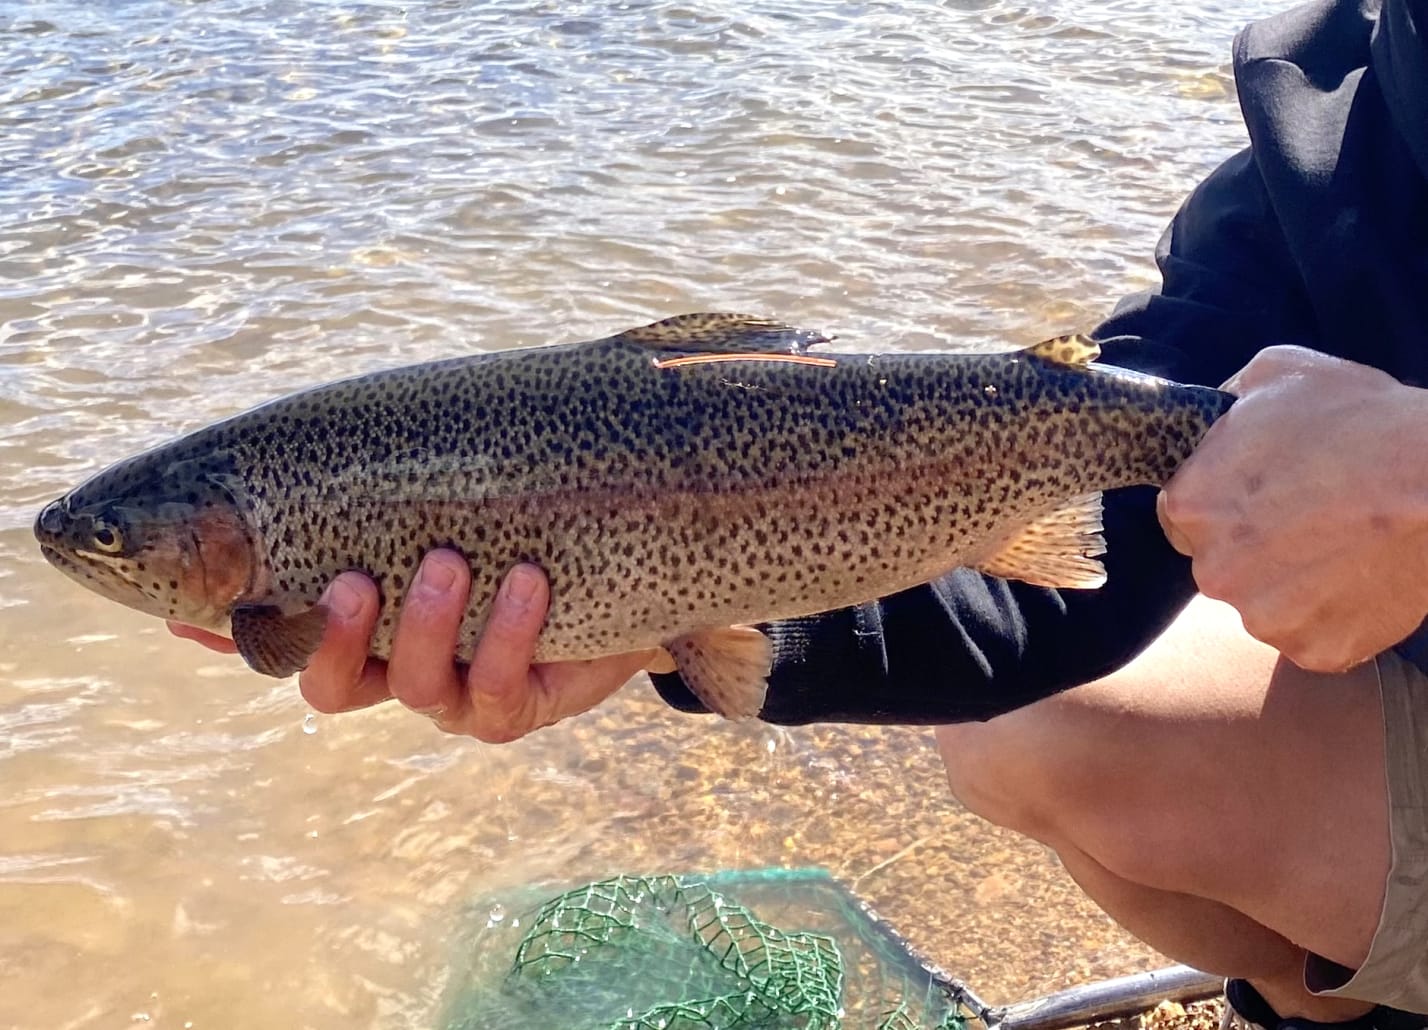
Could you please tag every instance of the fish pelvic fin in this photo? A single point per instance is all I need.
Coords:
(1056, 550)
(1077, 350)
(719, 333)
(276, 644)
(726, 668)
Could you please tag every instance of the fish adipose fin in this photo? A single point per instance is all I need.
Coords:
(1057, 550)
(715, 333)
(727, 669)
(1067, 350)
(276, 644)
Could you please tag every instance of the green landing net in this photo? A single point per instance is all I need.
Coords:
(689, 953)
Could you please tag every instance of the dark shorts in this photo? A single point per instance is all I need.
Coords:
(1396, 970)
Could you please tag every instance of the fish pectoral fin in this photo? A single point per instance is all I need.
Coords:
(719, 333)
(1076, 350)
(1056, 550)
(276, 644)
(727, 668)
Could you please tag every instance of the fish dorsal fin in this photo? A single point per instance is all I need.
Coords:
(716, 333)
(1067, 350)
(727, 668)
(1056, 550)
(276, 644)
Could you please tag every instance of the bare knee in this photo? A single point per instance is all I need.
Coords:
(1059, 770)
(995, 775)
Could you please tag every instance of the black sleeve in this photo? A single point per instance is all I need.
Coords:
(970, 646)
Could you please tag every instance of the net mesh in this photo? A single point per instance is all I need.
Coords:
(682, 953)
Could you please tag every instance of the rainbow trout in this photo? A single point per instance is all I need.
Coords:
(677, 482)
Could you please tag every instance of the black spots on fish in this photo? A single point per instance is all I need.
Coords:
(529, 441)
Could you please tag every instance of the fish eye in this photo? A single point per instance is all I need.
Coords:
(107, 537)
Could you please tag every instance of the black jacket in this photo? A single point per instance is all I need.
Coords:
(1316, 234)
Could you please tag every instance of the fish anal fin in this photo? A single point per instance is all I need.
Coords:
(1077, 350)
(276, 644)
(1056, 550)
(719, 333)
(726, 668)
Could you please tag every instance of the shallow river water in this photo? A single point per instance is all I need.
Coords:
(205, 204)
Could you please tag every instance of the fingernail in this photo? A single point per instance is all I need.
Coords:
(521, 585)
(437, 576)
(342, 600)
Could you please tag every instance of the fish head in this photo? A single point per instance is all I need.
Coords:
(162, 535)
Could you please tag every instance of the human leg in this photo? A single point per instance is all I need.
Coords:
(1229, 809)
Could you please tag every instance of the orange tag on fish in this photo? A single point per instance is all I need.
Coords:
(700, 359)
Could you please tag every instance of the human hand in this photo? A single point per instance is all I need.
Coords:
(501, 696)
(1306, 507)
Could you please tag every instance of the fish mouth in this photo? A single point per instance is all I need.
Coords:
(72, 567)
(64, 561)
(50, 522)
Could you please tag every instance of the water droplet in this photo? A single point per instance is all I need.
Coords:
(309, 724)
(496, 916)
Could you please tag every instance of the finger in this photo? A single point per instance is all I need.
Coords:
(1172, 532)
(422, 671)
(1278, 362)
(334, 678)
(1267, 365)
(212, 641)
(499, 685)
(371, 688)
(569, 688)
